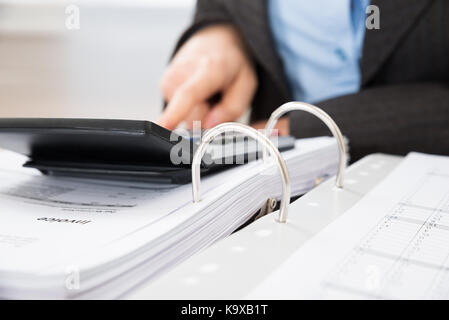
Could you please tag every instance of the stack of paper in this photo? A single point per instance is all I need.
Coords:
(68, 238)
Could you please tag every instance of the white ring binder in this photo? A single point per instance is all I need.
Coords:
(253, 133)
(323, 116)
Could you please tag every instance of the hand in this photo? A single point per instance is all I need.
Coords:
(213, 61)
(283, 126)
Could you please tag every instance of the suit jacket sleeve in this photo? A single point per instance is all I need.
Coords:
(391, 119)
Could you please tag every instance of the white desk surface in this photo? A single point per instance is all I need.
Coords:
(230, 268)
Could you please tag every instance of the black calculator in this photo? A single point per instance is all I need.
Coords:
(118, 149)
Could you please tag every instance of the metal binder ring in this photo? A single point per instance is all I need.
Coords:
(253, 133)
(323, 116)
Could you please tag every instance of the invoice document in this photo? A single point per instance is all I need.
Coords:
(393, 244)
(47, 221)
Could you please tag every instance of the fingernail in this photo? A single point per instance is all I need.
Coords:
(212, 120)
(163, 122)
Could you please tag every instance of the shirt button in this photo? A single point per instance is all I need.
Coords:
(340, 54)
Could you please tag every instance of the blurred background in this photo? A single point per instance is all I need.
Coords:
(108, 68)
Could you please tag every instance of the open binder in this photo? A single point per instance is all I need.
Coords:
(233, 267)
(132, 233)
(278, 113)
(391, 242)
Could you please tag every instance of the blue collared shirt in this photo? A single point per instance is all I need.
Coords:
(320, 43)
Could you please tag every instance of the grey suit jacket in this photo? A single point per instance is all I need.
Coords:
(403, 104)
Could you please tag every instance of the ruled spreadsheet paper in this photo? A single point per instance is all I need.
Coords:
(393, 244)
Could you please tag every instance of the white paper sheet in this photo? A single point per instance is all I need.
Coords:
(114, 235)
(83, 215)
(394, 243)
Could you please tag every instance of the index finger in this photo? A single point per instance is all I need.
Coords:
(194, 91)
